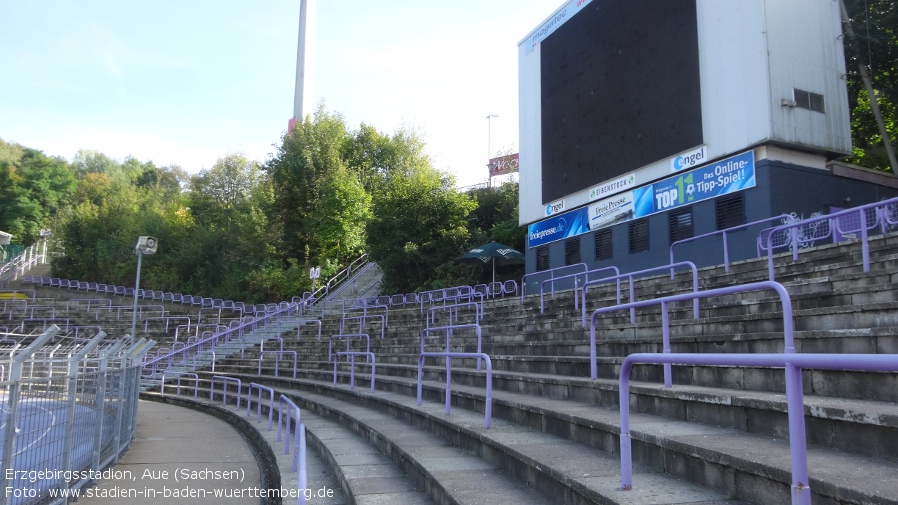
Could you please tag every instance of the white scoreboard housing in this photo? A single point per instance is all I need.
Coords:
(770, 73)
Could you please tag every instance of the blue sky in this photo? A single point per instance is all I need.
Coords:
(188, 81)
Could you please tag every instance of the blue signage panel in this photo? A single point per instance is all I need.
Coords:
(733, 174)
(710, 181)
(569, 224)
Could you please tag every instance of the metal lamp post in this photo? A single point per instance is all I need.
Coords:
(489, 153)
(145, 245)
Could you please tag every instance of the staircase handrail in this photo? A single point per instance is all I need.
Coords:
(337, 278)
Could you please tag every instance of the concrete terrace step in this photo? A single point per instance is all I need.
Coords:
(752, 467)
(510, 461)
(860, 426)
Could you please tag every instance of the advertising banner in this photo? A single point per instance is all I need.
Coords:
(569, 224)
(613, 187)
(733, 174)
(504, 165)
(611, 211)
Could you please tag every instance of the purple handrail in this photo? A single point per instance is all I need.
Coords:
(299, 442)
(249, 398)
(449, 329)
(488, 408)
(630, 277)
(279, 356)
(362, 319)
(431, 312)
(196, 380)
(224, 389)
(301, 322)
(793, 364)
(726, 254)
(352, 355)
(348, 337)
(576, 277)
(788, 325)
(834, 225)
(551, 272)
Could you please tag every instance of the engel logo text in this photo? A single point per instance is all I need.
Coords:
(554, 208)
(689, 160)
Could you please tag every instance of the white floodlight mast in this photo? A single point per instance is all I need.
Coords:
(303, 95)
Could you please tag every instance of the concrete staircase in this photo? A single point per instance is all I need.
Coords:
(719, 435)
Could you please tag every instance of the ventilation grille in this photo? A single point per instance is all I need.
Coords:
(604, 246)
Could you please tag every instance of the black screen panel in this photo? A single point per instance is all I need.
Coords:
(620, 89)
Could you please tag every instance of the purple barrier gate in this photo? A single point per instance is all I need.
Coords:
(793, 364)
(855, 220)
(488, 408)
(788, 326)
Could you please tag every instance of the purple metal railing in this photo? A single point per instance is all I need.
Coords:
(453, 314)
(196, 381)
(488, 408)
(788, 325)
(302, 322)
(364, 318)
(724, 232)
(224, 389)
(299, 443)
(249, 397)
(551, 273)
(347, 337)
(449, 330)
(630, 278)
(793, 364)
(250, 325)
(352, 355)
(576, 277)
(278, 356)
(859, 220)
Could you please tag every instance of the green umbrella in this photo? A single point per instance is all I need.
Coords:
(493, 252)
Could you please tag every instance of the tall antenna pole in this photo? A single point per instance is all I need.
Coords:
(303, 95)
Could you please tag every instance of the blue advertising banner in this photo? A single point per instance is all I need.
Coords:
(726, 176)
(569, 224)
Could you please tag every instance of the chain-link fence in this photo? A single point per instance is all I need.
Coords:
(68, 411)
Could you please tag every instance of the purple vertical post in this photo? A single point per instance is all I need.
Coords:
(448, 384)
(626, 456)
(420, 369)
(865, 244)
(801, 488)
(726, 254)
(352, 371)
(665, 344)
(303, 477)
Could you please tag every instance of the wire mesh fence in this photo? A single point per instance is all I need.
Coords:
(68, 411)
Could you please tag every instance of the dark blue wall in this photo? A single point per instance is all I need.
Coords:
(781, 188)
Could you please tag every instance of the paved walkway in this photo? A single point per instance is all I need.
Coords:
(180, 453)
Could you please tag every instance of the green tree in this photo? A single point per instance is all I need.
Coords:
(33, 188)
(418, 225)
(297, 171)
(875, 47)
